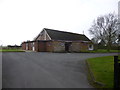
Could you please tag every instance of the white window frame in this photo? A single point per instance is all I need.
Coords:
(91, 47)
(33, 46)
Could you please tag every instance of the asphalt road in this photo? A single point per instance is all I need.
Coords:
(45, 70)
(0, 70)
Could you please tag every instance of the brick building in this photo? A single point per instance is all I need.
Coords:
(58, 41)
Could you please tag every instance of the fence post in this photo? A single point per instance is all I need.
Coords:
(116, 72)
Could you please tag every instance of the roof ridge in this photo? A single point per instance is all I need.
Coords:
(63, 31)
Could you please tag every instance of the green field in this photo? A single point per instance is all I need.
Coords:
(103, 70)
(11, 50)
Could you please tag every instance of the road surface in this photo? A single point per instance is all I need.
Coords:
(0, 70)
(45, 70)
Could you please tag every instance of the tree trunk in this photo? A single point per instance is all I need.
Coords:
(109, 46)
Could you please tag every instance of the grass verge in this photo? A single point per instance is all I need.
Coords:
(103, 51)
(11, 50)
(103, 71)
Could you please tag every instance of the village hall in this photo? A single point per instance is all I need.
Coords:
(49, 40)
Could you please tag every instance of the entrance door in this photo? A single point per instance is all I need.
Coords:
(67, 46)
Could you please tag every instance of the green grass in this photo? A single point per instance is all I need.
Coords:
(11, 50)
(103, 70)
(102, 51)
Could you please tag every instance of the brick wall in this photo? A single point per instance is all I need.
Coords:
(58, 46)
(23, 46)
(84, 46)
(29, 45)
(75, 47)
(41, 46)
(79, 46)
(36, 43)
(49, 46)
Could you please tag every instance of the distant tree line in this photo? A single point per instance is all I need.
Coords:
(11, 47)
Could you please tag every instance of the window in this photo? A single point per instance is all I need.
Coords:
(90, 47)
(61, 44)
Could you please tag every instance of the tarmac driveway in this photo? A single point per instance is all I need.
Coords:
(45, 70)
(0, 70)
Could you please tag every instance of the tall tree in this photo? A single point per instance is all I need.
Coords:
(105, 28)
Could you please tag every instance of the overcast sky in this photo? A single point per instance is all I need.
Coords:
(22, 20)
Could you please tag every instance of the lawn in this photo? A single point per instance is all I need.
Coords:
(103, 70)
(11, 50)
(103, 51)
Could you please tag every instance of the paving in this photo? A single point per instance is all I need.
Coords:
(45, 70)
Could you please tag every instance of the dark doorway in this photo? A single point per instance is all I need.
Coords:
(67, 46)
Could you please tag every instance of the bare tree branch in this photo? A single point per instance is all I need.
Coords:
(105, 28)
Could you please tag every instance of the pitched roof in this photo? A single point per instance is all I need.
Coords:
(62, 35)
